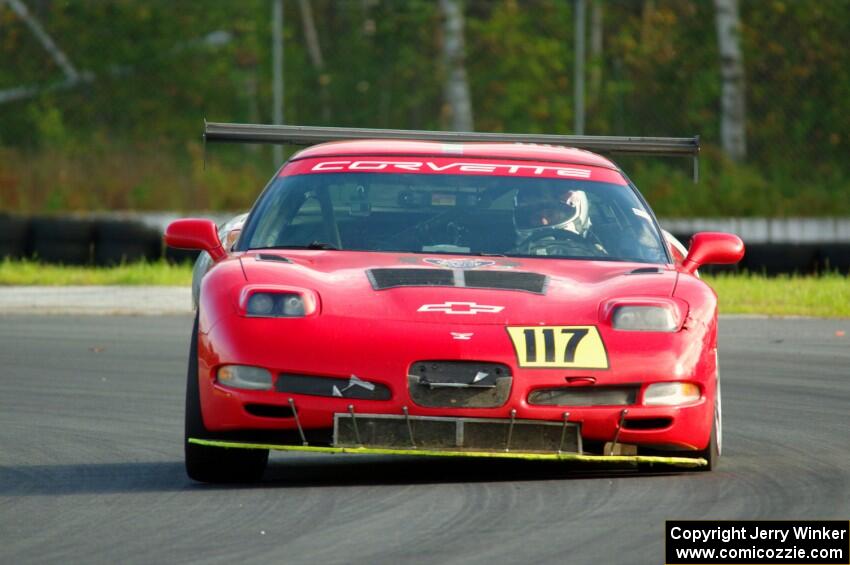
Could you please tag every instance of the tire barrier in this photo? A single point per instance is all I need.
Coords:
(78, 241)
(14, 236)
(786, 258)
(834, 257)
(119, 241)
(61, 240)
(777, 259)
(180, 255)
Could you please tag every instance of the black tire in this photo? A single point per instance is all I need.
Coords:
(62, 240)
(109, 254)
(14, 233)
(177, 256)
(118, 241)
(209, 464)
(712, 452)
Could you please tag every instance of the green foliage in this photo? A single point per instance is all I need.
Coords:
(729, 189)
(798, 69)
(128, 135)
(520, 62)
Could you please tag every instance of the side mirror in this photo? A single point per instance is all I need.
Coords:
(713, 248)
(193, 233)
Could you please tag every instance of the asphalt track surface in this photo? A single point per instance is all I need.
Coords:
(91, 465)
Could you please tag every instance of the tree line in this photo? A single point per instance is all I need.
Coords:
(766, 84)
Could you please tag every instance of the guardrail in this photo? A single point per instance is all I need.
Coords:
(774, 246)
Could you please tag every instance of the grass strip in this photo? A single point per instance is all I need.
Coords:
(823, 296)
(32, 273)
(826, 296)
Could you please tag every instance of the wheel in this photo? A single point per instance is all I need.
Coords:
(214, 464)
(715, 443)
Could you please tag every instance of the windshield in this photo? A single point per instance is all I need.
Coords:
(455, 214)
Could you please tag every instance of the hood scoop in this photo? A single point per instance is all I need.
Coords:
(382, 279)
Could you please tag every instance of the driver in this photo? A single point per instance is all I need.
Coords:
(554, 222)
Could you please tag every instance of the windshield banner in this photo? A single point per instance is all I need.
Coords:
(452, 166)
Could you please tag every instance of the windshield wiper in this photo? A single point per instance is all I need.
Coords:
(321, 245)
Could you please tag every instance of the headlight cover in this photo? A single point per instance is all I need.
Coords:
(671, 394)
(271, 301)
(275, 305)
(245, 377)
(644, 319)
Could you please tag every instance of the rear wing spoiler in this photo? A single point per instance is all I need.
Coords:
(217, 132)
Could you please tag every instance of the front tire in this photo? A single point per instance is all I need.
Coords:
(715, 443)
(209, 464)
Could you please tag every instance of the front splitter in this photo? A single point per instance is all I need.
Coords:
(580, 457)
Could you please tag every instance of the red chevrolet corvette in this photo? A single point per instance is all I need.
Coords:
(451, 297)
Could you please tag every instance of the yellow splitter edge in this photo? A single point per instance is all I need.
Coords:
(675, 461)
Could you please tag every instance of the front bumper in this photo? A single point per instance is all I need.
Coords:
(373, 353)
(227, 409)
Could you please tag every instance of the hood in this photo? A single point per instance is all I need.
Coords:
(468, 290)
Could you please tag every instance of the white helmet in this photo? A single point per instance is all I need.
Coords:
(547, 210)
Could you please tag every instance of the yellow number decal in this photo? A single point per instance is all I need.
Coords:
(573, 347)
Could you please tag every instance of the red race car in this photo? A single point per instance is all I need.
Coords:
(451, 294)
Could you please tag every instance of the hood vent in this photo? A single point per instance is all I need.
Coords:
(506, 280)
(383, 279)
(646, 271)
(270, 257)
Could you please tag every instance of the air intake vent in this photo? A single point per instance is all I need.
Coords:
(269, 410)
(459, 384)
(352, 387)
(647, 423)
(383, 279)
(584, 396)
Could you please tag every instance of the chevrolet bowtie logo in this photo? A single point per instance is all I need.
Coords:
(462, 336)
(461, 308)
